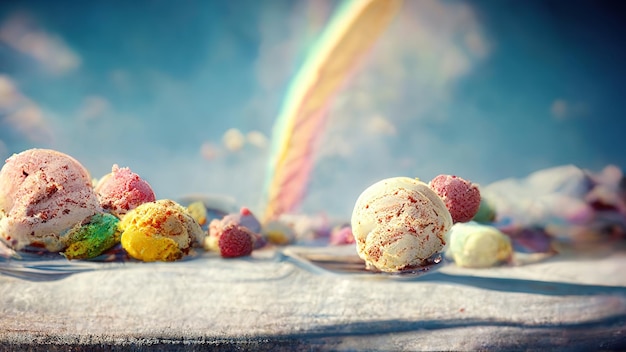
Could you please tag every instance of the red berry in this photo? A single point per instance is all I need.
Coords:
(235, 242)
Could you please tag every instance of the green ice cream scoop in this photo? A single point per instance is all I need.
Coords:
(90, 239)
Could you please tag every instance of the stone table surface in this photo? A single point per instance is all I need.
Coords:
(280, 300)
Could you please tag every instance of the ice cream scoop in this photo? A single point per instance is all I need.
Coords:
(159, 231)
(399, 223)
(461, 197)
(92, 238)
(43, 194)
(478, 246)
(123, 190)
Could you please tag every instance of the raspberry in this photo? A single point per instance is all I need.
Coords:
(235, 242)
(461, 197)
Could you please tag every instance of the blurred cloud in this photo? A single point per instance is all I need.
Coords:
(121, 79)
(476, 43)
(93, 107)
(559, 109)
(379, 125)
(283, 39)
(562, 109)
(10, 96)
(285, 36)
(335, 147)
(428, 48)
(29, 121)
(21, 115)
(22, 33)
(4, 151)
(209, 151)
(233, 140)
(257, 139)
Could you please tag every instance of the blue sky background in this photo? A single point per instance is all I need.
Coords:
(486, 90)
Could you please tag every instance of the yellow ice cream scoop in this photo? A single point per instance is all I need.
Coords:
(478, 246)
(159, 231)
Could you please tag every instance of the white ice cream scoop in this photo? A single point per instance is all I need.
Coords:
(399, 223)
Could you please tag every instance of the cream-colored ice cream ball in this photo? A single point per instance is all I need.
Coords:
(398, 224)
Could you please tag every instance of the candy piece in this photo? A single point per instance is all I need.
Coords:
(43, 194)
(247, 219)
(462, 198)
(278, 233)
(211, 242)
(93, 238)
(198, 211)
(478, 246)
(307, 228)
(341, 235)
(123, 190)
(244, 220)
(399, 224)
(486, 212)
(160, 230)
(235, 241)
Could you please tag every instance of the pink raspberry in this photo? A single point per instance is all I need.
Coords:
(235, 242)
(461, 197)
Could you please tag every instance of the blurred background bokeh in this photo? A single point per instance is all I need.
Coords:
(185, 93)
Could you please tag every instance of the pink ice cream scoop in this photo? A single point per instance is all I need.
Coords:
(461, 197)
(43, 194)
(123, 190)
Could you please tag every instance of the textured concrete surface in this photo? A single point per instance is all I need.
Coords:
(280, 301)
